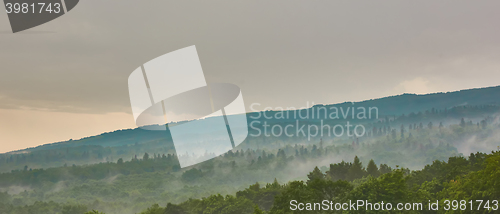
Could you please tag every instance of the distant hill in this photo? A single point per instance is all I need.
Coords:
(406, 103)
(387, 106)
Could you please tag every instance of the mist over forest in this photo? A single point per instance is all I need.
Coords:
(419, 142)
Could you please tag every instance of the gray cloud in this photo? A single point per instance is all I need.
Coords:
(281, 53)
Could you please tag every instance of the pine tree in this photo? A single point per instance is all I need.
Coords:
(372, 169)
(356, 171)
(338, 171)
(462, 122)
(315, 174)
(275, 184)
(393, 134)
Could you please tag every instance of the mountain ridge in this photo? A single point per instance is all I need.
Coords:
(388, 106)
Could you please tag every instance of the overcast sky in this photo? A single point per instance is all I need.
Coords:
(68, 78)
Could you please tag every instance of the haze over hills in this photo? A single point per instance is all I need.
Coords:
(126, 171)
(387, 106)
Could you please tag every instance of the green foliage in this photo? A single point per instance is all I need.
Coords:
(191, 175)
(316, 174)
(155, 209)
(356, 171)
(94, 212)
(372, 169)
(479, 185)
(397, 186)
(257, 210)
(174, 209)
(74, 209)
(338, 171)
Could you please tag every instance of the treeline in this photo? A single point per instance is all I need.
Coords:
(131, 186)
(43, 207)
(148, 163)
(34, 177)
(126, 143)
(475, 178)
(75, 154)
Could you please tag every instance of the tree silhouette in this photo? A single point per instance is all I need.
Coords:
(372, 169)
(315, 174)
(356, 171)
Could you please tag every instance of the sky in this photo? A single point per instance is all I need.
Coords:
(67, 79)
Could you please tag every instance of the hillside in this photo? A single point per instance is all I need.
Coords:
(126, 171)
(472, 104)
(387, 106)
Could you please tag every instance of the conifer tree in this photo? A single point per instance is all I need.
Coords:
(315, 174)
(356, 171)
(372, 169)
